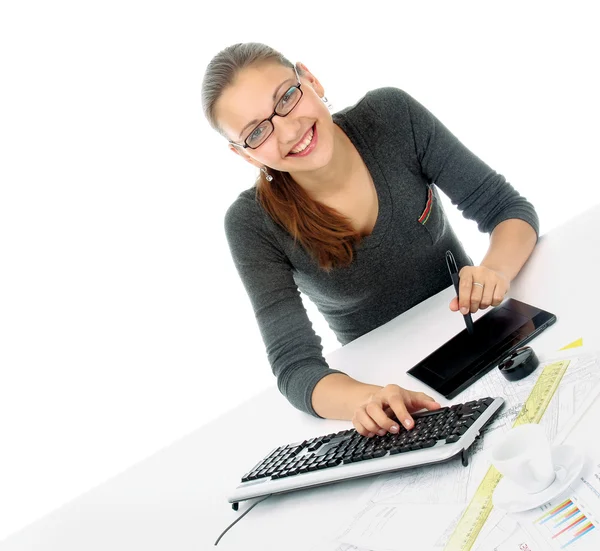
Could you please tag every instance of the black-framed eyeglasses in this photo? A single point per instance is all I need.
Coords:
(283, 108)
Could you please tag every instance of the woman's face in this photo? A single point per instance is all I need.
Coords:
(249, 100)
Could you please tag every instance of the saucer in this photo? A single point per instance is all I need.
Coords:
(568, 462)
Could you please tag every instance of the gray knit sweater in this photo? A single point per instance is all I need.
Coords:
(407, 150)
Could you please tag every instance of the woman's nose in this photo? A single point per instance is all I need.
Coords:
(288, 130)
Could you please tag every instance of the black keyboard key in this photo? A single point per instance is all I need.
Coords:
(315, 446)
(425, 414)
(428, 443)
(473, 415)
(465, 422)
(452, 438)
(380, 453)
(334, 462)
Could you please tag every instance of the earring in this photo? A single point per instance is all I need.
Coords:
(267, 175)
(327, 102)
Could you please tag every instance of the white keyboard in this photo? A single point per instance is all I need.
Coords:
(437, 436)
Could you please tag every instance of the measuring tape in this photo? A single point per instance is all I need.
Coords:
(480, 507)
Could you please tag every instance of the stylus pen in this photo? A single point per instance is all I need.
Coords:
(453, 269)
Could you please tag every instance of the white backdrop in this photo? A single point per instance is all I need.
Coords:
(123, 325)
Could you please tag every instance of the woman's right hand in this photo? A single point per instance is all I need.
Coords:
(374, 416)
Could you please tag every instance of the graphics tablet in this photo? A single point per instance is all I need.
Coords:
(464, 358)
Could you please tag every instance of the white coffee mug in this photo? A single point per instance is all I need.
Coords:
(524, 456)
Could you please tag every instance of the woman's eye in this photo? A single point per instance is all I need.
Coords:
(256, 134)
(286, 97)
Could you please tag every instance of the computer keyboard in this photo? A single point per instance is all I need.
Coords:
(436, 436)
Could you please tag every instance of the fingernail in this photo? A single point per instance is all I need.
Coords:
(464, 310)
(394, 428)
(371, 434)
(381, 432)
(407, 422)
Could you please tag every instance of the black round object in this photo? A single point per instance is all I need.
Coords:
(519, 364)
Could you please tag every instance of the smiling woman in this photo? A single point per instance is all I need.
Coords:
(346, 210)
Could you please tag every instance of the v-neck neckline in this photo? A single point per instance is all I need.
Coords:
(379, 181)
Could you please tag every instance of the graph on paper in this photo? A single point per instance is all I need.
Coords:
(569, 525)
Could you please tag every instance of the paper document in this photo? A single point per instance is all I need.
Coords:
(420, 507)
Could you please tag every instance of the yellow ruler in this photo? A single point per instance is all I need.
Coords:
(480, 507)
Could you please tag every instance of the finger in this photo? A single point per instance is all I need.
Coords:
(487, 297)
(361, 429)
(498, 296)
(464, 292)
(454, 304)
(384, 423)
(419, 400)
(365, 419)
(476, 295)
(397, 404)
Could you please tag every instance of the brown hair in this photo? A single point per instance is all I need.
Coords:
(327, 235)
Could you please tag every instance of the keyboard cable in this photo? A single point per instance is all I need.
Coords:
(240, 518)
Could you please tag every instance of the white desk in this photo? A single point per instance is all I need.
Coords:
(176, 499)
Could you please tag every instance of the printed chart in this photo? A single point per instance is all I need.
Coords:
(568, 523)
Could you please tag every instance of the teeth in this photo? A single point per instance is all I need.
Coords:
(304, 144)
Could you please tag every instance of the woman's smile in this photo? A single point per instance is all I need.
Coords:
(305, 146)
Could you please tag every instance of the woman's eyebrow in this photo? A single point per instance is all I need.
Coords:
(275, 94)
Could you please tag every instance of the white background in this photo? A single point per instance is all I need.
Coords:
(123, 325)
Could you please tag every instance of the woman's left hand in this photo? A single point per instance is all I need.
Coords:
(479, 288)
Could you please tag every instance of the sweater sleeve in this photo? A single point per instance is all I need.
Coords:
(293, 348)
(480, 193)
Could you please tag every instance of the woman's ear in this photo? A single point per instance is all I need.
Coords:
(240, 151)
(314, 81)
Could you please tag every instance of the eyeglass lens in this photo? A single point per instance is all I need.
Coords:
(283, 107)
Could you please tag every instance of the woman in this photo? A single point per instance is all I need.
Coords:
(345, 209)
